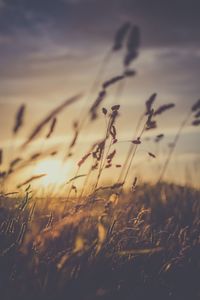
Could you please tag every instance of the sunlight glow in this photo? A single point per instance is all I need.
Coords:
(56, 172)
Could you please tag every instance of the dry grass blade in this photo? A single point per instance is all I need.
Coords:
(111, 187)
(35, 155)
(50, 116)
(11, 193)
(141, 251)
(1, 156)
(52, 127)
(19, 119)
(15, 162)
(76, 177)
(133, 187)
(76, 132)
(73, 142)
(30, 180)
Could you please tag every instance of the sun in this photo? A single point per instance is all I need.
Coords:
(56, 172)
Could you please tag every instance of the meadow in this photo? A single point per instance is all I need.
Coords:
(100, 239)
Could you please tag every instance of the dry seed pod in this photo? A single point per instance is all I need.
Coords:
(136, 142)
(104, 111)
(197, 115)
(149, 103)
(112, 81)
(95, 106)
(159, 137)
(130, 57)
(196, 122)
(49, 117)
(151, 154)
(120, 36)
(115, 107)
(134, 39)
(129, 73)
(163, 108)
(132, 45)
(83, 159)
(196, 105)
(111, 156)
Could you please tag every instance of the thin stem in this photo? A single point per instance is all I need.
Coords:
(86, 182)
(69, 192)
(133, 154)
(102, 156)
(95, 85)
(130, 149)
(84, 117)
(174, 144)
(103, 164)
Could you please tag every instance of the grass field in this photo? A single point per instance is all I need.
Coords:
(145, 246)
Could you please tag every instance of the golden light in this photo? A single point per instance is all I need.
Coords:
(56, 172)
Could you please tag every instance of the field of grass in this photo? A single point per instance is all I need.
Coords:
(145, 246)
(122, 239)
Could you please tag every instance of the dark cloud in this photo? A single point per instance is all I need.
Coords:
(162, 22)
(39, 37)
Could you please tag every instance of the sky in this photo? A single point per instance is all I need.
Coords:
(50, 50)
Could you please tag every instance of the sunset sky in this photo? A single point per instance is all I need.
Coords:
(51, 50)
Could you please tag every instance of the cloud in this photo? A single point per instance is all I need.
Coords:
(163, 22)
(51, 40)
